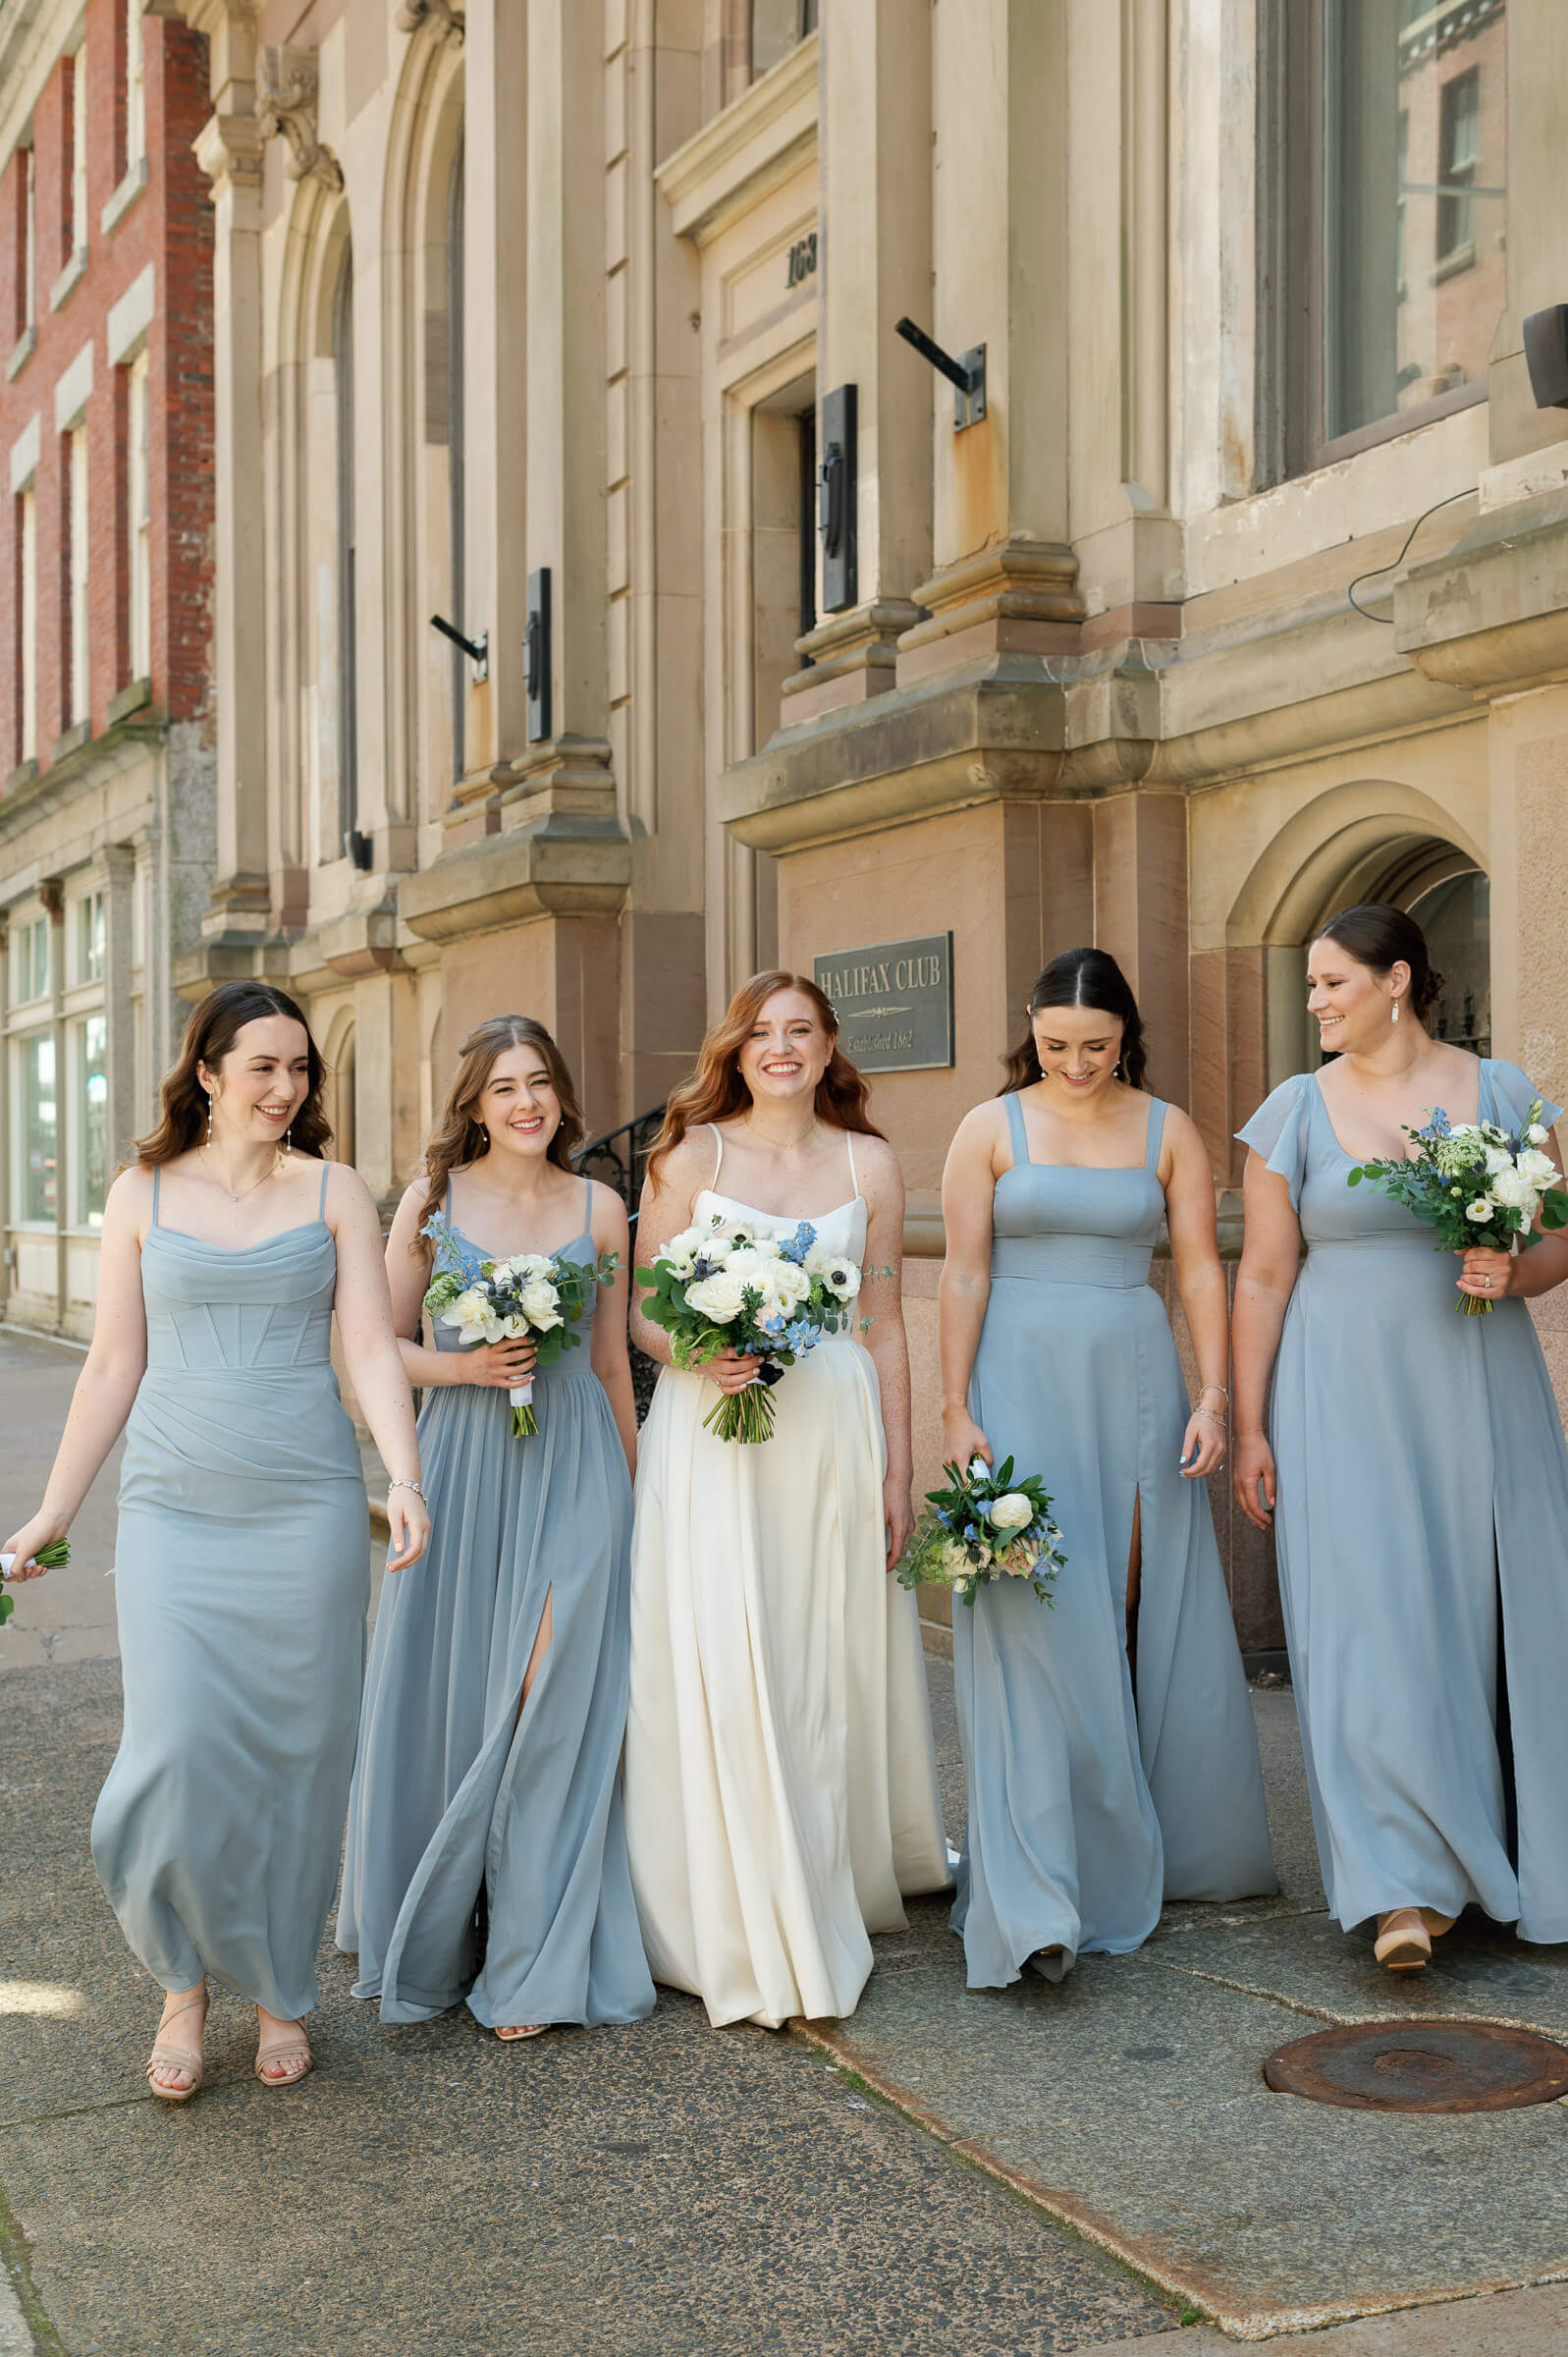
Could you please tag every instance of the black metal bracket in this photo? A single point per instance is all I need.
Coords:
(477, 649)
(836, 499)
(966, 374)
(537, 643)
(359, 850)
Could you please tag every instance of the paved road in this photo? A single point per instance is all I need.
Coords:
(667, 2189)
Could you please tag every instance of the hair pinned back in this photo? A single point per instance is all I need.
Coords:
(1379, 936)
(716, 1090)
(1083, 978)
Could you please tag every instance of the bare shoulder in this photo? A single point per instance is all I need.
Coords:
(127, 1206)
(877, 1165)
(608, 1224)
(687, 1168)
(346, 1197)
(1181, 1132)
(983, 1123)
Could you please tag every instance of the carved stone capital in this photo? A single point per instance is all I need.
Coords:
(229, 150)
(286, 103)
(444, 17)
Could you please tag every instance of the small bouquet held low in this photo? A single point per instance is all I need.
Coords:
(1479, 1185)
(724, 1286)
(53, 1558)
(537, 1295)
(985, 1525)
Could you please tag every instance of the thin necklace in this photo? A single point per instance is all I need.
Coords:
(245, 1190)
(745, 1123)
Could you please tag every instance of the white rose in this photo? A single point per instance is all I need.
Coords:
(788, 1285)
(719, 1297)
(1479, 1211)
(1498, 1159)
(1538, 1133)
(1010, 1512)
(1511, 1188)
(1538, 1169)
(529, 1264)
(541, 1304)
(473, 1317)
(955, 1562)
(716, 1248)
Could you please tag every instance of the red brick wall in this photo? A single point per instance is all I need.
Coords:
(170, 226)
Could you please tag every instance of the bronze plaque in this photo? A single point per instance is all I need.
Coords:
(893, 1002)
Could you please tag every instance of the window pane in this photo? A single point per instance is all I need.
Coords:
(777, 25)
(91, 938)
(94, 1118)
(39, 1128)
(1414, 210)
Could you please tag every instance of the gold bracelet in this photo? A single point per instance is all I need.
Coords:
(1215, 1387)
(1209, 1414)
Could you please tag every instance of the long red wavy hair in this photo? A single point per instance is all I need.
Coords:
(716, 1090)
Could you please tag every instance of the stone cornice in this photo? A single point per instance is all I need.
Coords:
(750, 147)
(567, 867)
(1492, 614)
(228, 147)
(287, 91)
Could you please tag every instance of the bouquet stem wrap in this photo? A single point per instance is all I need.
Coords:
(525, 1423)
(53, 1558)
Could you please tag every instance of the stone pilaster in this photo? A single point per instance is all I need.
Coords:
(119, 943)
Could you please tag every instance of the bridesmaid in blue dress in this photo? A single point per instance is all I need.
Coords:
(1420, 1500)
(242, 1558)
(487, 1854)
(1108, 1741)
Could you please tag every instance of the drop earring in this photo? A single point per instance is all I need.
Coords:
(1397, 1010)
(209, 1116)
(287, 1139)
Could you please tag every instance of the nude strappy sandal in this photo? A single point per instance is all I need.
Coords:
(292, 2047)
(178, 2057)
(514, 2037)
(1403, 1946)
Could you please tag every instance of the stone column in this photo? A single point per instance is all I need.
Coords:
(230, 150)
(6, 1275)
(51, 891)
(120, 860)
(1003, 578)
(1538, 74)
(874, 170)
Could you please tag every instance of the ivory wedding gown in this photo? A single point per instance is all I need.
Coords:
(781, 1780)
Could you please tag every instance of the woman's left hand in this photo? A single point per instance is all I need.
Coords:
(898, 1516)
(408, 1525)
(1488, 1274)
(1203, 1445)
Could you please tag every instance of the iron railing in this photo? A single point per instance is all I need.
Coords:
(619, 1158)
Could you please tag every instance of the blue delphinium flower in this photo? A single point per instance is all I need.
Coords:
(799, 1245)
(799, 1336)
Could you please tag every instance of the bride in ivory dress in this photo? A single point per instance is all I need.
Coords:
(781, 1783)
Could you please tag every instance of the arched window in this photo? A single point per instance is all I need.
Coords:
(455, 453)
(343, 385)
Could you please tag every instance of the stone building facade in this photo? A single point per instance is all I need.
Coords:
(108, 762)
(546, 317)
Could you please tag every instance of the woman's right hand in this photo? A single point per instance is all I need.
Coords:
(962, 1439)
(503, 1366)
(1252, 1462)
(731, 1370)
(24, 1543)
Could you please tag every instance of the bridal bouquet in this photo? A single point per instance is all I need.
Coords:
(53, 1558)
(983, 1526)
(535, 1293)
(1478, 1184)
(722, 1286)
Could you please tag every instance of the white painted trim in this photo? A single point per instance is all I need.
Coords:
(25, 455)
(71, 390)
(132, 317)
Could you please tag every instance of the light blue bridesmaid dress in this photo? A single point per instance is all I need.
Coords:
(455, 1795)
(1421, 1529)
(242, 1576)
(1086, 1807)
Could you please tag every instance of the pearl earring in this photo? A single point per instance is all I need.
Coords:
(1397, 1010)
(209, 1116)
(287, 1139)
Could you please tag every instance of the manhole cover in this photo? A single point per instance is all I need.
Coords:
(1422, 2066)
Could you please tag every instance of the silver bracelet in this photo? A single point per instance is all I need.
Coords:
(410, 1484)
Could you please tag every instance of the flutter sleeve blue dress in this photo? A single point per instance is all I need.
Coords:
(1089, 1805)
(486, 1857)
(1422, 1531)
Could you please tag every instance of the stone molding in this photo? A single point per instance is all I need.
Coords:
(228, 147)
(444, 20)
(1018, 580)
(1492, 614)
(567, 867)
(287, 95)
(750, 147)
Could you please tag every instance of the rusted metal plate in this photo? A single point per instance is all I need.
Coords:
(1422, 2066)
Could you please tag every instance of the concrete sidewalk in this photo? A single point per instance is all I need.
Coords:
(1046, 2169)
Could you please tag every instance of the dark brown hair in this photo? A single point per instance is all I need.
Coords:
(460, 1136)
(209, 1036)
(716, 1090)
(1082, 978)
(1378, 936)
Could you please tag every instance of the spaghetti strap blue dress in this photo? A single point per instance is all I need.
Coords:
(1422, 1531)
(1088, 1803)
(242, 1576)
(458, 1794)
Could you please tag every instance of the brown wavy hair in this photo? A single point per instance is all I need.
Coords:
(716, 1090)
(209, 1036)
(1084, 977)
(459, 1138)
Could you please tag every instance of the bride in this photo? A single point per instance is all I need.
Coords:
(781, 1780)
